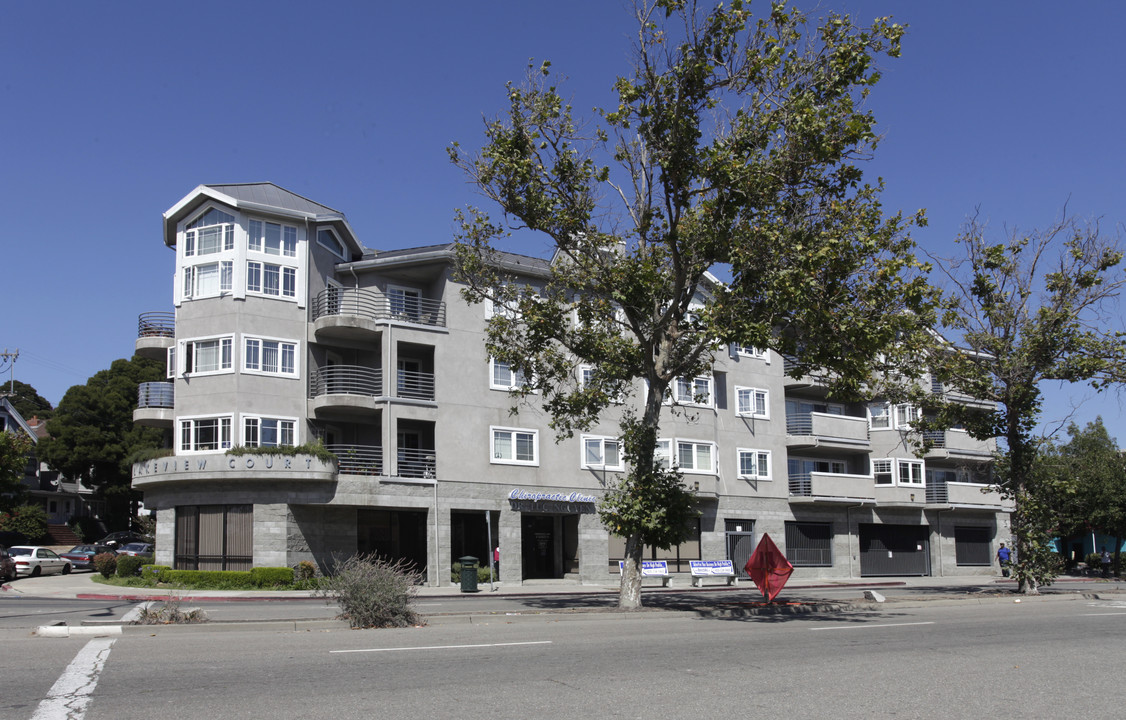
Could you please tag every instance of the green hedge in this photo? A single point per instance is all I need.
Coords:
(271, 576)
(130, 565)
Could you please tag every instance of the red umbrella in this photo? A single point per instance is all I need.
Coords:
(769, 568)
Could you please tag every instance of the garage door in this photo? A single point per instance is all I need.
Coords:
(894, 550)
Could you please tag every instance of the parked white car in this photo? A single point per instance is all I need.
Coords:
(35, 561)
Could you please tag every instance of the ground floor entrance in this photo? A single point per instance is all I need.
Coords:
(549, 545)
(393, 535)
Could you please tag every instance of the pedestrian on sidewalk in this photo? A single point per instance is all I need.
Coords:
(1003, 555)
(1104, 560)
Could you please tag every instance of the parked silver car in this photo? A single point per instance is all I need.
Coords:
(34, 561)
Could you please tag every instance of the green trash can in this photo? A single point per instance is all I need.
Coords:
(468, 573)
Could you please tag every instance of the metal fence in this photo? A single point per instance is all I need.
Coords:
(156, 395)
(358, 459)
(377, 306)
(346, 380)
(156, 324)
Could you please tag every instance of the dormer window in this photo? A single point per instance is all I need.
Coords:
(212, 232)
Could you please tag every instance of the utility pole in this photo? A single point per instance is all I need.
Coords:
(10, 356)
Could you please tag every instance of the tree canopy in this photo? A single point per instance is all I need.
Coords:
(26, 400)
(732, 155)
(14, 452)
(92, 435)
(1034, 307)
(1095, 469)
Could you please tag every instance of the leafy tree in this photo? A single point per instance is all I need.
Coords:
(1032, 309)
(92, 434)
(14, 450)
(28, 520)
(1096, 469)
(732, 149)
(26, 400)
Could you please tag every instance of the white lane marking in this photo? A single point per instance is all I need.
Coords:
(69, 697)
(866, 627)
(443, 647)
(1103, 614)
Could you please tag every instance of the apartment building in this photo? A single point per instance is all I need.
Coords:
(287, 331)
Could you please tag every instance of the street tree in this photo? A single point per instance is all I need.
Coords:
(92, 436)
(15, 451)
(732, 154)
(1033, 308)
(1095, 470)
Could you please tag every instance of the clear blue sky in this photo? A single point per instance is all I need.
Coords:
(114, 111)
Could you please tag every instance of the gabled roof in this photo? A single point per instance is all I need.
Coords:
(262, 197)
(6, 408)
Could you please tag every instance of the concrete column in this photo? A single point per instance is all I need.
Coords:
(510, 538)
(270, 528)
(594, 550)
(165, 539)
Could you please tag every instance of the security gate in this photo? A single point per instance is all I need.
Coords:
(740, 544)
(894, 549)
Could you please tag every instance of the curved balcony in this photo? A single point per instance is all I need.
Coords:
(357, 314)
(345, 389)
(155, 403)
(156, 332)
(358, 459)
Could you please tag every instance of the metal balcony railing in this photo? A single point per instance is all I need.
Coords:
(801, 484)
(377, 306)
(799, 424)
(415, 385)
(936, 438)
(156, 395)
(346, 380)
(416, 463)
(156, 324)
(937, 491)
(358, 459)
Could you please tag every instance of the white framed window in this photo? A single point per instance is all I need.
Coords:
(693, 391)
(695, 457)
(750, 351)
(326, 238)
(268, 432)
(208, 356)
(911, 472)
(211, 232)
(272, 238)
(170, 367)
(752, 402)
(269, 357)
(503, 377)
(586, 374)
(906, 415)
(208, 279)
(205, 434)
(754, 464)
(879, 416)
(601, 453)
(269, 279)
(513, 446)
(406, 303)
(882, 472)
(663, 453)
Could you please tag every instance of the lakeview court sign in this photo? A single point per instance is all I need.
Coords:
(294, 467)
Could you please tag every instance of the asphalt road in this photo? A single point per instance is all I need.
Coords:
(1038, 658)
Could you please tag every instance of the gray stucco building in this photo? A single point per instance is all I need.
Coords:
(286, 331)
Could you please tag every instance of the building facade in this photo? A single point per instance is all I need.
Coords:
(287, 331)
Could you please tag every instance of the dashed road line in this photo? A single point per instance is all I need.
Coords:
(867, 627)
(441, 647)
(69, 697)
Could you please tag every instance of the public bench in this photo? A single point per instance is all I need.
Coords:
(712, 569)
(652, 569)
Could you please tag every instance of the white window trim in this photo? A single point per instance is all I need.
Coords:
(602, 439)
(888, 416)
(512, 432)
(193, 419)
(752, 352)
(890, 472)
(282, 267)
(618, 399)
(263, 252)
(340, 252)
(254, 416)
(695, 444)
(289, 341)
(921, 482)
(182, 353)
(769, 464)
(673, 397)
(912, 413)
(493, 385)
(765, 414)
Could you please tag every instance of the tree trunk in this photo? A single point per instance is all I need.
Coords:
(629, 596)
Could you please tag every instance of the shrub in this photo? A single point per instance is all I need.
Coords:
(209, 579)
(130, 565)
(305, 570)
(271, 576)
(106, 564)
(482, 574)
(29, 520)
(373, 592)
(154, 573)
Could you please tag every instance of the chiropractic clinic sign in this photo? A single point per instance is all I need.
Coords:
(560, 502)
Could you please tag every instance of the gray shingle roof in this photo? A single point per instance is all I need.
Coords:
(274, 196)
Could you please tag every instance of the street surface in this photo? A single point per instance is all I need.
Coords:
(1053, 657)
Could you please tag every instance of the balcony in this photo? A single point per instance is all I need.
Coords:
(356, 314)
(414, 385)
(155, 403)
(832, 487)
(156, 333)
(417, 463)
(956, 444)
(810, 430)
(358, 459)
(346, 389)
(793, 379)
(965, 495)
